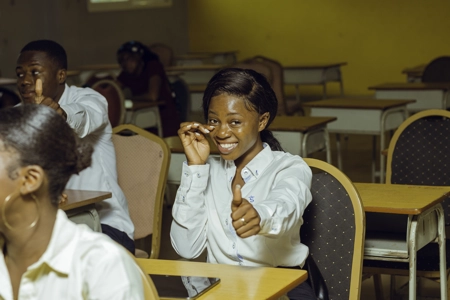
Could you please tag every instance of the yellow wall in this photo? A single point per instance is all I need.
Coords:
(378, 38)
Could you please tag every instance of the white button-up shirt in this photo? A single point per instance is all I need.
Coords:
(77, 264)
(87, 114)
(276, 183)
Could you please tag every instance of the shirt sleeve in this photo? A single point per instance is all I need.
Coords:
(87, 111)
(286, 202)
(188, 230)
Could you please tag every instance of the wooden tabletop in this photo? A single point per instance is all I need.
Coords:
(215, 52)
(99, 67)
(315, 65)
(299, 123)
(197, 88)
(236, 282)
(412, 86)
(79, 198)
(399, 198)
(188, 56)
(184, 68)
(7, 81)
(414, 71)
(362, 103)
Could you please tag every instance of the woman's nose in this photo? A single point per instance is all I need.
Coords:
(223, 131)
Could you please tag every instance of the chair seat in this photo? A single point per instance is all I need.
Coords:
(427, 260)
(140, 253)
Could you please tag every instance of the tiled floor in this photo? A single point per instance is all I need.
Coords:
(357, 166)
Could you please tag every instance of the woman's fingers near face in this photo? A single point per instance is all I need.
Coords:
(195, 127)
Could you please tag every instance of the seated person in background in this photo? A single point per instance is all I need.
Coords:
(86, 111)
(246, 206)
(144, 75)
(8, 98)
(44, 255)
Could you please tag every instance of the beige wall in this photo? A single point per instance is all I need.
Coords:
(87, 37)
(378, 38)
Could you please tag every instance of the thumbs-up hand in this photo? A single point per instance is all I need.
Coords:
(244, 216)
(38, 91)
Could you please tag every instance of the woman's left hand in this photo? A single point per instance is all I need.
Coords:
(245, 217)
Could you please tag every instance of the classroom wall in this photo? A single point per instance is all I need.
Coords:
(88, 37)
(378, 38)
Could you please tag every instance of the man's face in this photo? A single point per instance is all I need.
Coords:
(32, 65)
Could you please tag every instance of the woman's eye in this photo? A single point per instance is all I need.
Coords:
(212, 122)
(235, 122)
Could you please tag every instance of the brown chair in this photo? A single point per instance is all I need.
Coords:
(116, 100)
(333, 229)
(256, 66)
(286, 106)
(142, 165)
(164, 52)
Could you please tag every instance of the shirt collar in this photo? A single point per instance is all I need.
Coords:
(59, 253)
(259, 163)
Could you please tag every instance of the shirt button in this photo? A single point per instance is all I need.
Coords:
(226, 221)
(234, 245)
(186, 174)
(198, 175)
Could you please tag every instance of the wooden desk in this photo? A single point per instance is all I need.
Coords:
(427, 95)
(302, 135)
(425, 224)
(236, 282)
(7, 81)
(314, 74)
(80, 207)
(80, 198)
(414, 74)
(362, 116)
(196, 74)
(214, 57)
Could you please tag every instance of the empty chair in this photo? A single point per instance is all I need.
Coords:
(419, 154)
(334, 229)
(164, 52)
(286, 106)
(438, 70)
(142, 166)
(116, 100)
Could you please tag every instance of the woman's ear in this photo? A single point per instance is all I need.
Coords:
(32, 179)
(263, 120)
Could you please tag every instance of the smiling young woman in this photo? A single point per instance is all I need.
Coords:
(246, 206)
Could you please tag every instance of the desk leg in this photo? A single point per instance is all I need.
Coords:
(442, 251)
(338, 149)
(412, 248)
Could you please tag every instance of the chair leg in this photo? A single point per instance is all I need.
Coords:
(378, 284)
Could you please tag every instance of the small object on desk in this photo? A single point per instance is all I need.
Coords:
(63, 198)
(182, 287)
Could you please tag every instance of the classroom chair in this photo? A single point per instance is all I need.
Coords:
(334, 230)
(116, 100)
(418, 154)
(142, 165)
(164, 52)
(438, 70)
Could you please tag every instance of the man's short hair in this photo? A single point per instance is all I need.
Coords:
(53, 50)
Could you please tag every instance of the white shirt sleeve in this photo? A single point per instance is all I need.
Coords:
(86, 110)
(286, 201)
(188, 230)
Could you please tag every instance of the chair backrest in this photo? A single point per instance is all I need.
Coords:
(334, 230)
(142, 166)
(438, 70)
(182, 97)
(256, 66)
(277, 80)
(116, 100)
(164, 52)
(8, 98)
(150, 292)
(419, 152)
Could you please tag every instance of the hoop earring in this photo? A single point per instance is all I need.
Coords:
(3, 209)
